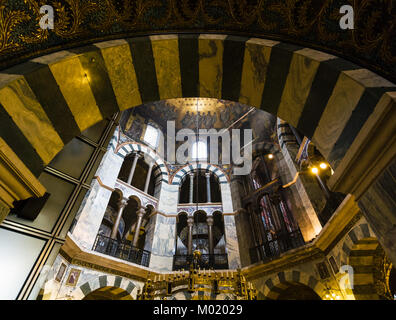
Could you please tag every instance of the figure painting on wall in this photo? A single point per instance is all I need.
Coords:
(73, 277)
(61, 272)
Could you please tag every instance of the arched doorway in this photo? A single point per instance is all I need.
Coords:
(293, 291)
(108, 293)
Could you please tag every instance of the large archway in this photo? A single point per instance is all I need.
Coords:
(47, 101)
(313, 91)
(290, 285)
(108, 293)
(372, 271)
(294, 291)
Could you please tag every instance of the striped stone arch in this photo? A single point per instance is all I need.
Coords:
(47, 101)
(362, 258)
(359, 232)
(126, 148)
(202, 295)
(126, 289)
(274, 286)
(178, 176)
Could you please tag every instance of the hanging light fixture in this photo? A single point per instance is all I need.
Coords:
(323, 165)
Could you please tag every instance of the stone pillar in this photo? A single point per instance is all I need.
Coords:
(191, 198)
(140, 214)
(146, 186)
(378, 206)
(121, 206)
(135, 160)
(231, 238)
(230, 233)
(209, 221)
(208, 195)
(161, 229)
(190, 223)
(90, 214)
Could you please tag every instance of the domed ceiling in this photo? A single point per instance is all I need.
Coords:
(197, 113)
(201, 113)
(192, 113)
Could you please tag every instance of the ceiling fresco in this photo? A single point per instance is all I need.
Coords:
(201, 113)
(193, 113)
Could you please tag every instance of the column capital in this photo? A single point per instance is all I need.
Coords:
(122, 203)
(209, 221)
(208, 174)
(191, 174)
(141, 212)
(190, 221)
(137, 154)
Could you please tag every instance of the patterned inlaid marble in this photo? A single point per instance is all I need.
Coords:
(190, 209)
(93, 207)
(232, 246)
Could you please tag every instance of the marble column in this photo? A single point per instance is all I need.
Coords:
(209, 221)
(140, 214)
(191, 198)
(190, 223)
(135, 160)
(230, 233)
(161, 230)
(121, 206)
(146, 186)
(208, 195)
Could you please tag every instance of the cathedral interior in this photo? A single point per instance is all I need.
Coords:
(207, 150)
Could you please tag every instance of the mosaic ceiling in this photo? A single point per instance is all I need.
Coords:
(194, 113)
(201, 113)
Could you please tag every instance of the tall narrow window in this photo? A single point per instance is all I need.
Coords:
(151, 136)
(199, 151)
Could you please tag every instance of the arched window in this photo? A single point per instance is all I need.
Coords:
(151, 136)
(200, 193)
(199, 151)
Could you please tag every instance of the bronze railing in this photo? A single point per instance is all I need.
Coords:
(121, 250)
(206, 261)
(278, 244)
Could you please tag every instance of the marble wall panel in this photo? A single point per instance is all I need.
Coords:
(93, 207)
(231, 242)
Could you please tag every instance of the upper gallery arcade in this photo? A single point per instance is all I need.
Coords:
(87, 191)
